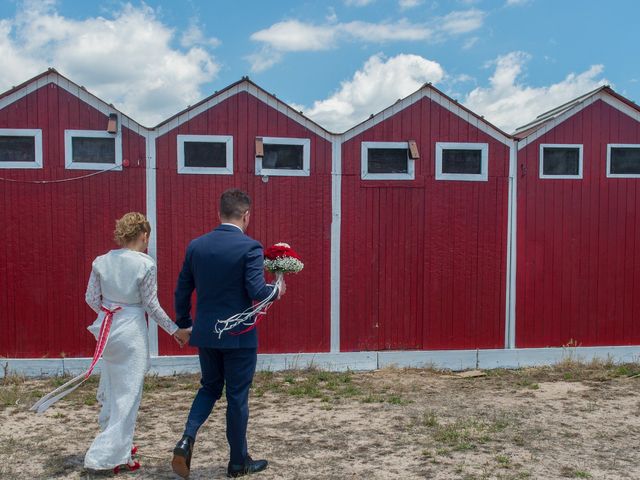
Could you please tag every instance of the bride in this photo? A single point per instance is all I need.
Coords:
(122, 286)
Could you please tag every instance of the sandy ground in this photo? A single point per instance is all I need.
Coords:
(569, 421)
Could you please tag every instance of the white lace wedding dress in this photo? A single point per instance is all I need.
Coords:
(127, 279)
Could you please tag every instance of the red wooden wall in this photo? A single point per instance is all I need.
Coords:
(578, 261)
(51, 232)
(296, 210)
(423, 261)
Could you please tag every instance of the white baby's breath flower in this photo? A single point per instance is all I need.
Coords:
(283, 265)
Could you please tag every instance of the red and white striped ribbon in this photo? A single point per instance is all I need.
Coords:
(63, 390)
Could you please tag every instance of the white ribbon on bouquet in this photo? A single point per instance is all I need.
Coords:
(251, 316)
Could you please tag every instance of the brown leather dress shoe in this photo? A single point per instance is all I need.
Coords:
(181, 463)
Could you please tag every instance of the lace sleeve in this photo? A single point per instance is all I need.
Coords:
(149, 293)
(93, 295)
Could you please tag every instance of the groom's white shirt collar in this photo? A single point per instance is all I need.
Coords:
(233, 226)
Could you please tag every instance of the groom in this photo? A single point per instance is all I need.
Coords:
(225, 267)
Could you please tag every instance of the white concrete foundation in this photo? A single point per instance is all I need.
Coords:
(357, 361)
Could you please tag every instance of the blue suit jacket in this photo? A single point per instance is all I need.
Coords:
(225, 267)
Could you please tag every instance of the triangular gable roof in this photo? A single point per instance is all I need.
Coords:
(442, 99)
(53, 76)
(242, 85)
(552, 118)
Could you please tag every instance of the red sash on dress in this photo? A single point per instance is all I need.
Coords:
(63, 390)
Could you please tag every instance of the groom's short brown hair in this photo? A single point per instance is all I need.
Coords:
(234, 203)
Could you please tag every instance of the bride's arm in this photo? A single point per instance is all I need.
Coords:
(149, 294)
(93, 295)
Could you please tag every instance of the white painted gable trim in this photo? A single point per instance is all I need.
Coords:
(251, 89)
(605, 97)
(434, 96)
(75, 90)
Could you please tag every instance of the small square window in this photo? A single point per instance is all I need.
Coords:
(560, 161)
(283, 156)
(623, 161)
(92, 150)
(205, 154)
(387, 161)
(20, 148)
(462, 161)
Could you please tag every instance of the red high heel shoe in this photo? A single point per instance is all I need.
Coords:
(134, 450)
(131, 468)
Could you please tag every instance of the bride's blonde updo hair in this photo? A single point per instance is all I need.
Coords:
(129, 227)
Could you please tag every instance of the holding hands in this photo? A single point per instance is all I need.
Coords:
(182, 336)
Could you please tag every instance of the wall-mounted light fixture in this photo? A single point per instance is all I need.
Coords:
(413, 150)
(259, 147)
(112, 125)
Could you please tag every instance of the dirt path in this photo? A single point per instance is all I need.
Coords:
(570, 421)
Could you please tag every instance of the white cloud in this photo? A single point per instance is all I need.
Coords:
(126, 59)
(297, 36)
(407, 4)
(332, 16)
(377, 85)
(264, 59)
(469, 43)
(516, 3)
(385, 32)
(456, 23)
(193, 36)
(358, 3)
(508, 103)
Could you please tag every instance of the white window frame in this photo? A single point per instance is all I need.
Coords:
(280, 172)
(24, 132)
(228, 139)
(483, 176)
(69, 164)
(560, 145)
(620, 175)
(364, 162)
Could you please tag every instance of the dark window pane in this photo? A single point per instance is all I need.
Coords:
(205, 154)
(625, 160)
(283, 157)
(388, 160)
(93, 150)
(560, 161)
(462, 161)
(17, 149)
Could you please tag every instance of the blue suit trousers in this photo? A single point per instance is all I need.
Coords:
(234, 367)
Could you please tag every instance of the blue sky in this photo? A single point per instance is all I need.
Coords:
(338, 61)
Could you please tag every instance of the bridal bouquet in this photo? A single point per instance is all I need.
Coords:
(279, 259)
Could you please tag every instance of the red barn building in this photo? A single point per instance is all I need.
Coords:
(578, 224)
(425, 229)
(406, 224)
(52, 132)
(244, 137)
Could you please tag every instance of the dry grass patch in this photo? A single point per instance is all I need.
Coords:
(567, 421)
